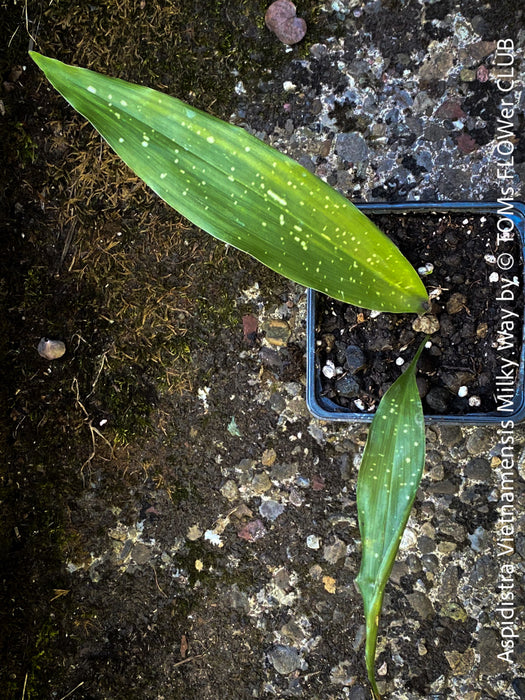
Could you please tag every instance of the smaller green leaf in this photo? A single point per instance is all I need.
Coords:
(387, 483)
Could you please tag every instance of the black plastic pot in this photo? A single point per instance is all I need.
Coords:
(325, 409)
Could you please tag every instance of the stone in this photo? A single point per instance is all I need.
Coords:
(467, 75)
(51, 349)
(277, 332)
(333, 552)
(454, 611)
(423, 103)
(277, 402)
(347, 386)
(484, 573)
(329, 584)
(436, 67)
(354, 358)
(230, 491)
(318, 50)
(141, 553)
(421, 604)
(488, 647)
(450, 109)
(271, 509)
(430, 562)
(479, 469)
(313, 542)
(456, 303)
(261, 483)
(460, 663)
(427, 323)
(450, 435)
(272, 359)
(480, 442)
(426, 544)
(252, 531)
(284, 659)
(250, 324)
(466, 144)
(454, 381)
(447, 526)
(476, 52)
(283, 471)
(194, 532)
(282, 20)
(351, 147)
(268, 457)
(438, 399)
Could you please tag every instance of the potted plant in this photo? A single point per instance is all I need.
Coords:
(251, 196)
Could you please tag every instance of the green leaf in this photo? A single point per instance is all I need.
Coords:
(387, 483)
(244, 192)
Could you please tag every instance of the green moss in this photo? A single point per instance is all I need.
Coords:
(35, 285)
(25, 148)
(42, 658)
(127, 397)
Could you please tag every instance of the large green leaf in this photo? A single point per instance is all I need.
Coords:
(244, 192)
(387, 483)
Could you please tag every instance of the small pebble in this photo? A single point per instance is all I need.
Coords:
(230, 490)
(318, 50)
(213, 537)
(347, 386)
(281, 18)
(271, 509)
(426, 269)
(51, 349)
(354, 357)
(296, 498)
(313, 542)
(252, 531)
(284, 659)
(474, 401)
(437, 399)
(427, 323)
(194, 532)
(462, 391)
(408, 540)
(329, 370)
(333, 552)
(400, 361)
(456, 303)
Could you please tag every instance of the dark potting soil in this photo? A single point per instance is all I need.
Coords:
(361, 353)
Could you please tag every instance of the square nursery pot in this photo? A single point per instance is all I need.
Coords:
(473, 371)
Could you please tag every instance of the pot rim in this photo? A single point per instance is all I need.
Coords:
(327, 410)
